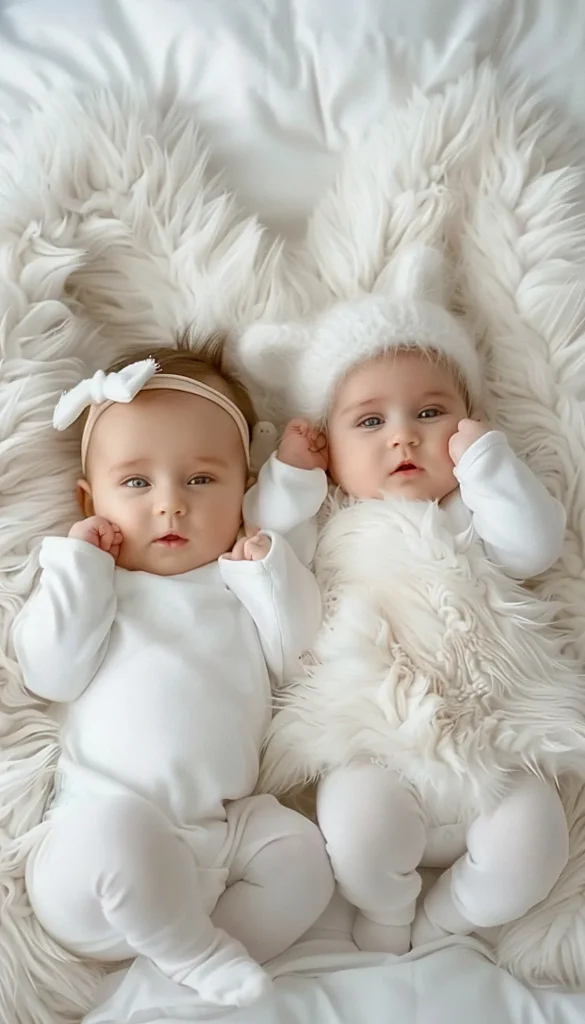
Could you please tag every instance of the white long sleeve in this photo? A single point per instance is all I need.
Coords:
(284, 601)
(520, 523)
(286, 500)
(61, 634)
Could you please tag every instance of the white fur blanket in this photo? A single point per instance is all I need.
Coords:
(112, 234)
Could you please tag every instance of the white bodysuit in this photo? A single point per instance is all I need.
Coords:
(376, 822)
(162, 688)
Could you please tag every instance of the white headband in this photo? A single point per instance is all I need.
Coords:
(102, 390)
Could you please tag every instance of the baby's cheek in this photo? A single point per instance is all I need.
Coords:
(448, 435)
(224, 515)
(347, 456)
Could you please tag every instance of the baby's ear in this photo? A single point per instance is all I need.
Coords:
(84, 498)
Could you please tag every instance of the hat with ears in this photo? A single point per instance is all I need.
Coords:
(302, 361)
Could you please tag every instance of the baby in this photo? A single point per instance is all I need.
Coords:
(438, 708)
(159, 649)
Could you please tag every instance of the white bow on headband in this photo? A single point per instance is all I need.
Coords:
(122, 386)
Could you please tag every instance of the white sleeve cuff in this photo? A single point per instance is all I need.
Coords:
(284, 496)
(230, 567)
(478, 450)
(58, 552)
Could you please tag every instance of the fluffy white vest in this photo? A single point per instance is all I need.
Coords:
(430, 661)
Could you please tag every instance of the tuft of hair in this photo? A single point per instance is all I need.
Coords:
(438, 358)
(199, 359)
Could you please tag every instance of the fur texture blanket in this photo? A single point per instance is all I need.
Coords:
(431, 662)
(112, 233)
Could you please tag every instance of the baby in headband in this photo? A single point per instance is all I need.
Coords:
(157, 631)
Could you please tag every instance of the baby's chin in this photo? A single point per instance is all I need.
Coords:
(165, 562)
(417, 490)
(421, 489)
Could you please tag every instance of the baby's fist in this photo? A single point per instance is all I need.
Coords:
(303, 446)
(468, 432)
(251, 548)
(256, 548)
(100, 532)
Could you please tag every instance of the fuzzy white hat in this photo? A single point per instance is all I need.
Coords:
(300, 362)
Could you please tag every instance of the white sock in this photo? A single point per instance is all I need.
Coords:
(225, 975)
(425, 931)
(439, 916)
(376, 937)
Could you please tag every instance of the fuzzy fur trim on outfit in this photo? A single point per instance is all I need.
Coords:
(431, 662)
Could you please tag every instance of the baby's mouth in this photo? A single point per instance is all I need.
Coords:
(406, 468)
(171, 540)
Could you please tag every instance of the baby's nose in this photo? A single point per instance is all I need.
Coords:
(171, 503)
(404, 433)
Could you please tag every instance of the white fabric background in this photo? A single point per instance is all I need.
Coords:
(282, 87)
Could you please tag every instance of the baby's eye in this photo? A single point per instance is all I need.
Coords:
(370, 422)
(135, 482)
(430, 414)
(200, 479)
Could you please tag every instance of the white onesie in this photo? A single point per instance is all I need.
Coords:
(162, 688)
(376, 821)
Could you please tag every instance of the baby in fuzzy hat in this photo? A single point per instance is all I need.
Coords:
(438, 708)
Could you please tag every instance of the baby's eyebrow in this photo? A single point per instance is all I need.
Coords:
(436, 394)
(211, 460)
(137, 464)
(354, 406)
(121, 467)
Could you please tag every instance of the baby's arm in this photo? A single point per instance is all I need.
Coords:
(290, 490)
(520, 523)
(61, 634)
(280, 594)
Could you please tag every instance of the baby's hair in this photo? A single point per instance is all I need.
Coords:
(200, 359)
(435, 357)
(438, 358)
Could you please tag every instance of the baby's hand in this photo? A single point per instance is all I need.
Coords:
(468, 432)
(100, 532)
(303, 447)
(252, 548)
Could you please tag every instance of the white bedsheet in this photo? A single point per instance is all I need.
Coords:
(325, 980)
(455, 984)
(281, 87)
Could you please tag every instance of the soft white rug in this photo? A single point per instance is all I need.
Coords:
(112, 234)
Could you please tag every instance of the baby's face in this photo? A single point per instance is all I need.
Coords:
(169, 469)
(390, 425)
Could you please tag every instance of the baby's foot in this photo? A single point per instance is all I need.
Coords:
(373, 937)
(227, 976)
(238, 984)
(438, 916)
(425, 931)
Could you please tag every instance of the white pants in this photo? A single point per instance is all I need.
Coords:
(377, 835)
(112, 879)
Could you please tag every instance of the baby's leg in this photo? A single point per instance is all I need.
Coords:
(375, 836)
(514, 857)
(111, 880)
(280, 880)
